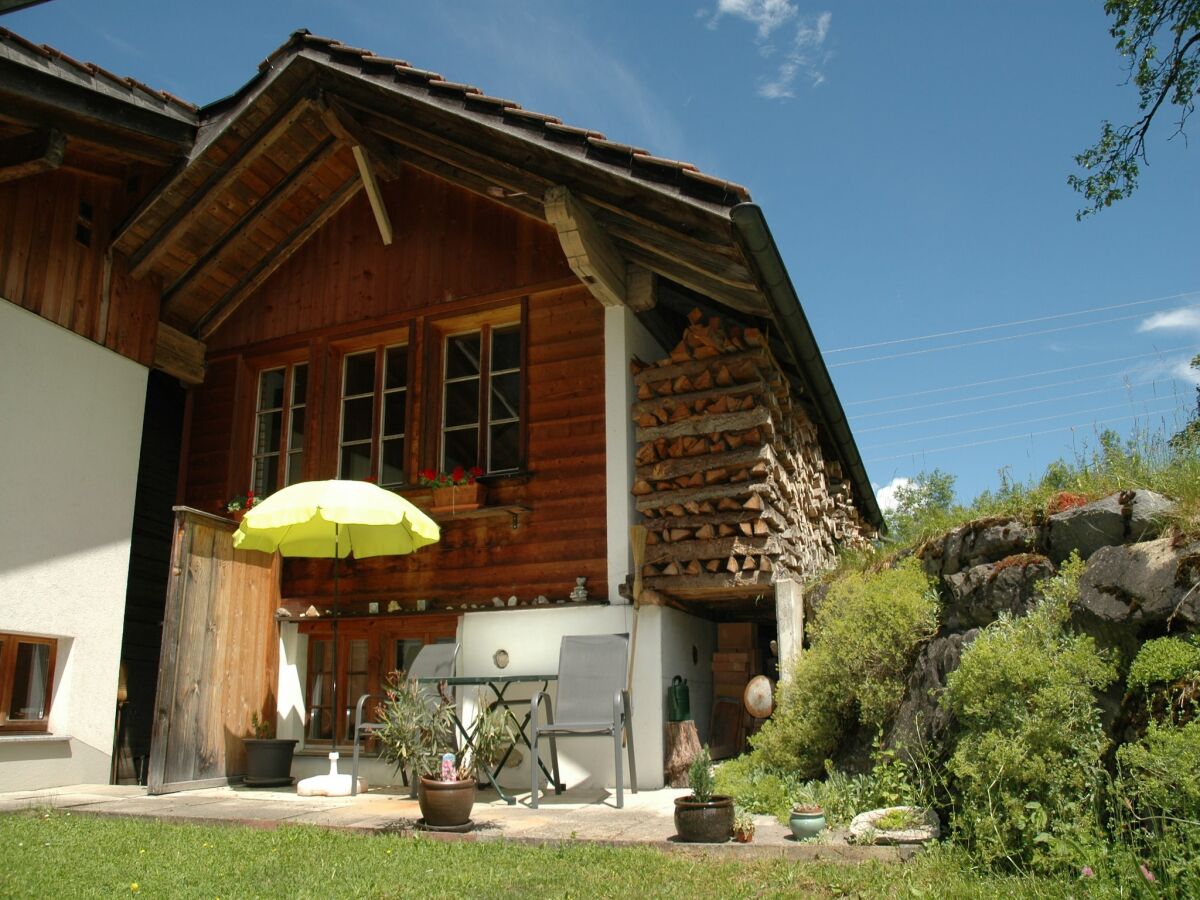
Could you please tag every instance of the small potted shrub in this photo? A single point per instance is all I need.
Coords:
(418, 735)
(268, 758)
(701, 817)
(807, 821)
(743, 825)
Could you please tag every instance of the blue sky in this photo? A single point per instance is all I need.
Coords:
(911, 159)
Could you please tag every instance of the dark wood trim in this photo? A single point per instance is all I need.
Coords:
(8, 669)
(31, 154)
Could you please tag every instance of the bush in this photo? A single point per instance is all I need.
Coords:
(1163, 661)
(1160, 774)
(861, 643)
(1027, 764)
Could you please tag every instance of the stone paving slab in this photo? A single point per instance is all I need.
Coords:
(590, 816)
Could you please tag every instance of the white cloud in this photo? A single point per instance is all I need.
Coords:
(806, 56)
(886, 495)
(766, 15)
(1187, 318)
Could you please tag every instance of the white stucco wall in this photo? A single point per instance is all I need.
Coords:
(71, 414)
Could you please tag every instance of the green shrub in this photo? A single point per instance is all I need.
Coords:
(1163, 661)
(1027, 764)
(700, 776)
(1160, 774)
(861, 642)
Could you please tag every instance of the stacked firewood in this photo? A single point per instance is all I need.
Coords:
(730, 478)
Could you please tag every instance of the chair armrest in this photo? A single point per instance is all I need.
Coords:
(358, 708)
(618, 708)
(534, 702)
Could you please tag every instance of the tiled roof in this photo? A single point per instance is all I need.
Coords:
(637, 161)
(132, 89)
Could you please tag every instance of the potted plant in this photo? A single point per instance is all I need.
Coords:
(807, 821)
(418, 736)
(701, 817)
(743, 825)
(240, 505)
(456, 490)
(268, 758)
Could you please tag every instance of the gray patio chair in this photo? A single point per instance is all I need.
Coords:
(592, 701)
(431, 661)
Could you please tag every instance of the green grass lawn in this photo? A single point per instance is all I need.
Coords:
(56, 854)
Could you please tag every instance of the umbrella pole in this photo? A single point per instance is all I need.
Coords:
(337, 707)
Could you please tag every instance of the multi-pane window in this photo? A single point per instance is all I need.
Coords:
(374, 408)
(279, 428)
(481, 400)
(26, 680)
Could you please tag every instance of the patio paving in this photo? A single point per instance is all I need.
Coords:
(577, 815)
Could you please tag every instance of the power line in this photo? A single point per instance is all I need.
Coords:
(1016, 437)
(987, 381)
(946, 434)
(994, 409)
(1012, 324)
(995, 340)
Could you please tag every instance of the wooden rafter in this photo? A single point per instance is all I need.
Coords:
(590, 253)
(367, 173)
(294, 240)
(641, 288)
(31, 154)
(197, 205)
(269, 203)
(343, 125)
(178, 354)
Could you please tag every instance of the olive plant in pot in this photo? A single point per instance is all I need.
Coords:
(418, 736)
(268, 758)
(701, 817)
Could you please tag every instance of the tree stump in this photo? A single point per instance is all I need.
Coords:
(683, 746)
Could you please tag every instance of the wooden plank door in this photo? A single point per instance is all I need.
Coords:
(219, 658)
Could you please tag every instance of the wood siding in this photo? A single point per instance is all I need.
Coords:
(449, 244)
(455, 254)
(45, 268)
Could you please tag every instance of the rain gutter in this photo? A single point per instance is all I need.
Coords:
(752, 234)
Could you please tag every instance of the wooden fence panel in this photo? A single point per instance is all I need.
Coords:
(219, 657)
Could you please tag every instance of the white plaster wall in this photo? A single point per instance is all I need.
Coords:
(70, 433)
(624, 338)
(688, 643)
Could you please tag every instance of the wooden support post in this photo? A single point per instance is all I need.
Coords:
(178, 354)
(367, 173)
(789, 619)
(590, 253)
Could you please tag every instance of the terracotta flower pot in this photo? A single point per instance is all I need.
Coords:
(446, 803)
(458, 497)
(710, 822)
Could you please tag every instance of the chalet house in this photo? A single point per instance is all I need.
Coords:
(355, 268)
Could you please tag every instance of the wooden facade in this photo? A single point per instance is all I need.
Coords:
(456, 258)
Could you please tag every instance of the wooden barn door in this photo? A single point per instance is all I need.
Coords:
(220, 654)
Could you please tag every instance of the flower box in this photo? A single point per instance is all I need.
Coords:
(458, 497)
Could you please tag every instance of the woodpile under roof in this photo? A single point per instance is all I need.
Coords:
(731, 479)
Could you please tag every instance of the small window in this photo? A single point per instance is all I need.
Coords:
(481, 400)
(374, 412)
(279, 428)
(26, 679)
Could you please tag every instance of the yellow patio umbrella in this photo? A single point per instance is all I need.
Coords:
(334, 519)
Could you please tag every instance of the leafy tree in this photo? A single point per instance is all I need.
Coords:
(1140, 26)
(922, 505)
(1188, 437)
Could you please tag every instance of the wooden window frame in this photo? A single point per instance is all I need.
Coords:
(380, 633)
(8, 667)
(482, 322)
(284, 452)
(379, 343)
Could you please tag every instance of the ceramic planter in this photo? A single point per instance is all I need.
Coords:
(704, 823)
(458, 497)
(806, 825)
(445, 804)
(268, 761)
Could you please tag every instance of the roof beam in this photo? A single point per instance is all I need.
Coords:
(590, 253)
(295, 239)
(343, 125)
(31, 154)
(271, 201)
(363, 159)
(178, 354)
(196, 206)
(641, 288)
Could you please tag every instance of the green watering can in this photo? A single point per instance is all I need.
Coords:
(679, 701)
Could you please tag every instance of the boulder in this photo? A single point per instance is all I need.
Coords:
(920, 718)
(977, 596)
(976, 543)
(1148, 512)
(1086, 529)
(1140, 586)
